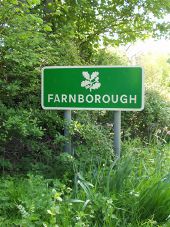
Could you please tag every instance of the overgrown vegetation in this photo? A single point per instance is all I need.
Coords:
(40, 185)
(134, 191)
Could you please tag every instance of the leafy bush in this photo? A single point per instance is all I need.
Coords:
(93, 138)
(27, 202)
(154, 117)
(24, 141)
(30, 138)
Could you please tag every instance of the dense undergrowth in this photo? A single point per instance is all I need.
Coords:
(132, 191)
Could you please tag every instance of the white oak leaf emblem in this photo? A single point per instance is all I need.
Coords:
(92, 81)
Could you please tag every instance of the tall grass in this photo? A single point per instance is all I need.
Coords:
(130, 192)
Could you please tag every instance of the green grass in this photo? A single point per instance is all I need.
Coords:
(130, 192)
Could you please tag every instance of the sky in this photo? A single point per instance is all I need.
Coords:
(160, 47)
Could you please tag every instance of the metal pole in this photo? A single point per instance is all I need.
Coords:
(67, 118)
(117, 133)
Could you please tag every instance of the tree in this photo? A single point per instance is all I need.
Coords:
(88, 23)
(110, 21)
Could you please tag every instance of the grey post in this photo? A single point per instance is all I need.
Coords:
(67, 118)
(117, 133)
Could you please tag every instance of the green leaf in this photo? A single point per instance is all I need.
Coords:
(47, 28)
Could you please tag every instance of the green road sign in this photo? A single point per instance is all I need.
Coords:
(92, 88)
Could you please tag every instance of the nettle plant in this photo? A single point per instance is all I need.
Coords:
(91, 82)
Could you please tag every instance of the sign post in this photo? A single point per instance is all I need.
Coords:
(117, 133)
(93, 88)
(67, 118)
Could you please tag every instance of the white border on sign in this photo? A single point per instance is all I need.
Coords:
(78, 108)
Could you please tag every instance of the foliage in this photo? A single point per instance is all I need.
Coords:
(156, 69)
(133, 191)
(109, 56)
(92, 144)
(154, 118)
(24, 145)
(29, 137)
(27, 201)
